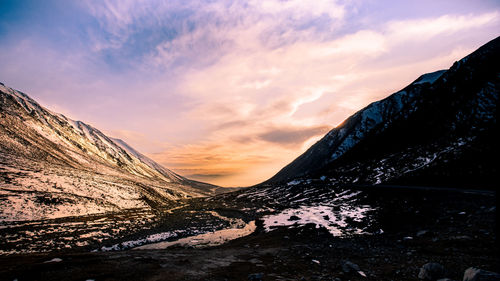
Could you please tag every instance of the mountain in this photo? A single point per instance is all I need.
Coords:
(439, 130)
(53, 166)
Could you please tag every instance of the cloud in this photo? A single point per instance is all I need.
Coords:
(205, 177)
(233, 91)
(233, 161)
(262, 97)
(423, 29)
(300, 10)
(293, 136)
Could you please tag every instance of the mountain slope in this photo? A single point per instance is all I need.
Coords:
(52, 166)
(437, 130)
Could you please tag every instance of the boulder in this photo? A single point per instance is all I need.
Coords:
(256, 277)
(348, 267)
(431, 271)
(476, 274)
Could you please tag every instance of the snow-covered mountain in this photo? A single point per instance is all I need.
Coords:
(438, 130)
(53, 166)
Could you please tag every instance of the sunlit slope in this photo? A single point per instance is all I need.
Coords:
(52, 166)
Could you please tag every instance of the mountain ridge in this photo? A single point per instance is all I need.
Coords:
(466, 93)
(47, 157)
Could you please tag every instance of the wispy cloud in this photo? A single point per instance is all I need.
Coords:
(293, 136)
(424, 29)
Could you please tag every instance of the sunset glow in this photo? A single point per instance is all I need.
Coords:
(229, 93)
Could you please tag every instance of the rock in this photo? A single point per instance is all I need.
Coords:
(461, 238)
(294, 218)
(476, 274)
(256, 277)
(348, 267)
(422, 233)
(431, 271)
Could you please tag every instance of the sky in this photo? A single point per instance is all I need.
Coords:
(229, 92)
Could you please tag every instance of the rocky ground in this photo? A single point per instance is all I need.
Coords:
(415, 227)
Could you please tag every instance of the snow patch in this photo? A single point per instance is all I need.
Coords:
(54, 260)
(335, 221)
(209, 239)
(429, 77)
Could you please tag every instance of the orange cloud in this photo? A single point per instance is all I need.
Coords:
(246, 159)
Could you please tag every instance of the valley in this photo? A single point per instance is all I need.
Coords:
(405, 182)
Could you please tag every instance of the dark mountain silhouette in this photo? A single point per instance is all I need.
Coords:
(439, 130)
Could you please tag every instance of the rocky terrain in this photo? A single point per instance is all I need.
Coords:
(406, 230)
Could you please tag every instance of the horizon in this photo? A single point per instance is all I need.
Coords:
(228, 93)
